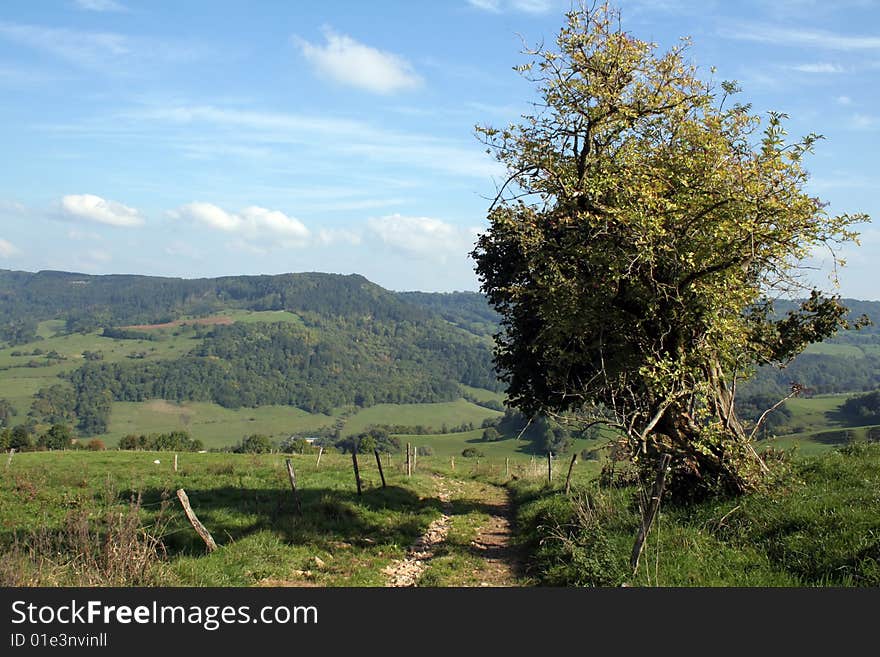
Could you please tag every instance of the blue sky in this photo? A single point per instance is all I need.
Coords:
(206, 138)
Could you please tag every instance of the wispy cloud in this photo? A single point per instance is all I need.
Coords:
(865, 121)
(88, 207)
(8, 249)
(79, 47)
(326, 134)
(349, 62)
(843, 100)
(100, 5)
(527, 6)
(328, 236)
(253, 223)
(108, 52)
(822, 39)
(821, 67)
(422, 236)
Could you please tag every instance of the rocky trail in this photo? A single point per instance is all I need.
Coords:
(492, 560)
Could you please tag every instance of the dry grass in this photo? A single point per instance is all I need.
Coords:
(109, 550)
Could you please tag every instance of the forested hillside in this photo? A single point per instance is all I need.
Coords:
(90, 302)
(321, 342)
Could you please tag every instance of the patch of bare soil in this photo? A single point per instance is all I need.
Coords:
(501, 561)
(407, 571)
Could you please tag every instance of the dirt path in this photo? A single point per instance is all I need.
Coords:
(407, 571)
(501, 563)
(497, 561)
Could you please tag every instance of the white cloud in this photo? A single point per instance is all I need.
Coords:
(253, 223)
(93, 208)
(527, 6)
(327, 236)
(7, 249)
(99, 5)
(349, 62)
(423, 236)
(823, 67)
(800, 37)
(844, 100)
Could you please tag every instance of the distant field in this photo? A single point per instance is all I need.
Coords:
(452, 444)
(483, 395)
(214, 425)
(831, 349)
(428, 415)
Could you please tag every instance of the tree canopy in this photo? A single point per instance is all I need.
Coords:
(634, 252)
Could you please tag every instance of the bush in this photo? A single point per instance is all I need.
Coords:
(471, 453)
(490, 435)
(96, 445)
(425, 450)
(254, 444)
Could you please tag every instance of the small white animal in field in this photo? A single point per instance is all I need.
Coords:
(157, 461)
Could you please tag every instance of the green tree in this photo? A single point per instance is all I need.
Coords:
(59, 436)
(20, 437)
(634, 248)
(6, 412)
(255, 444)
(490, 434)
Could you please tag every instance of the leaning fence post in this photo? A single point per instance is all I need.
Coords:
(194, 521)
(651, 513)
(292, 476)
(357, 472)
(379, 463)
(320, 452)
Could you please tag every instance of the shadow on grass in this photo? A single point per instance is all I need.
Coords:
(391, 515)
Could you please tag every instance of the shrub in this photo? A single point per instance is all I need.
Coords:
(254, 444)
(471, 453)
(96, 445)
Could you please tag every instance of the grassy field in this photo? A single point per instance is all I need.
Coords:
(817, 525)
(214, 425)
(59, 512)
(58, 500)
(831, 349)
(433, 416)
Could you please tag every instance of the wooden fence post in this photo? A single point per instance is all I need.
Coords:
(292, 476)
(568, 477)
(452, 461)
(549, 467)
(320, 452)
(415, 456)
(507, 466)
(175, 462)
(651, 512)
(408, 461)
(379, 463)
(9, 460)
(194, 521)
(357, 472)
